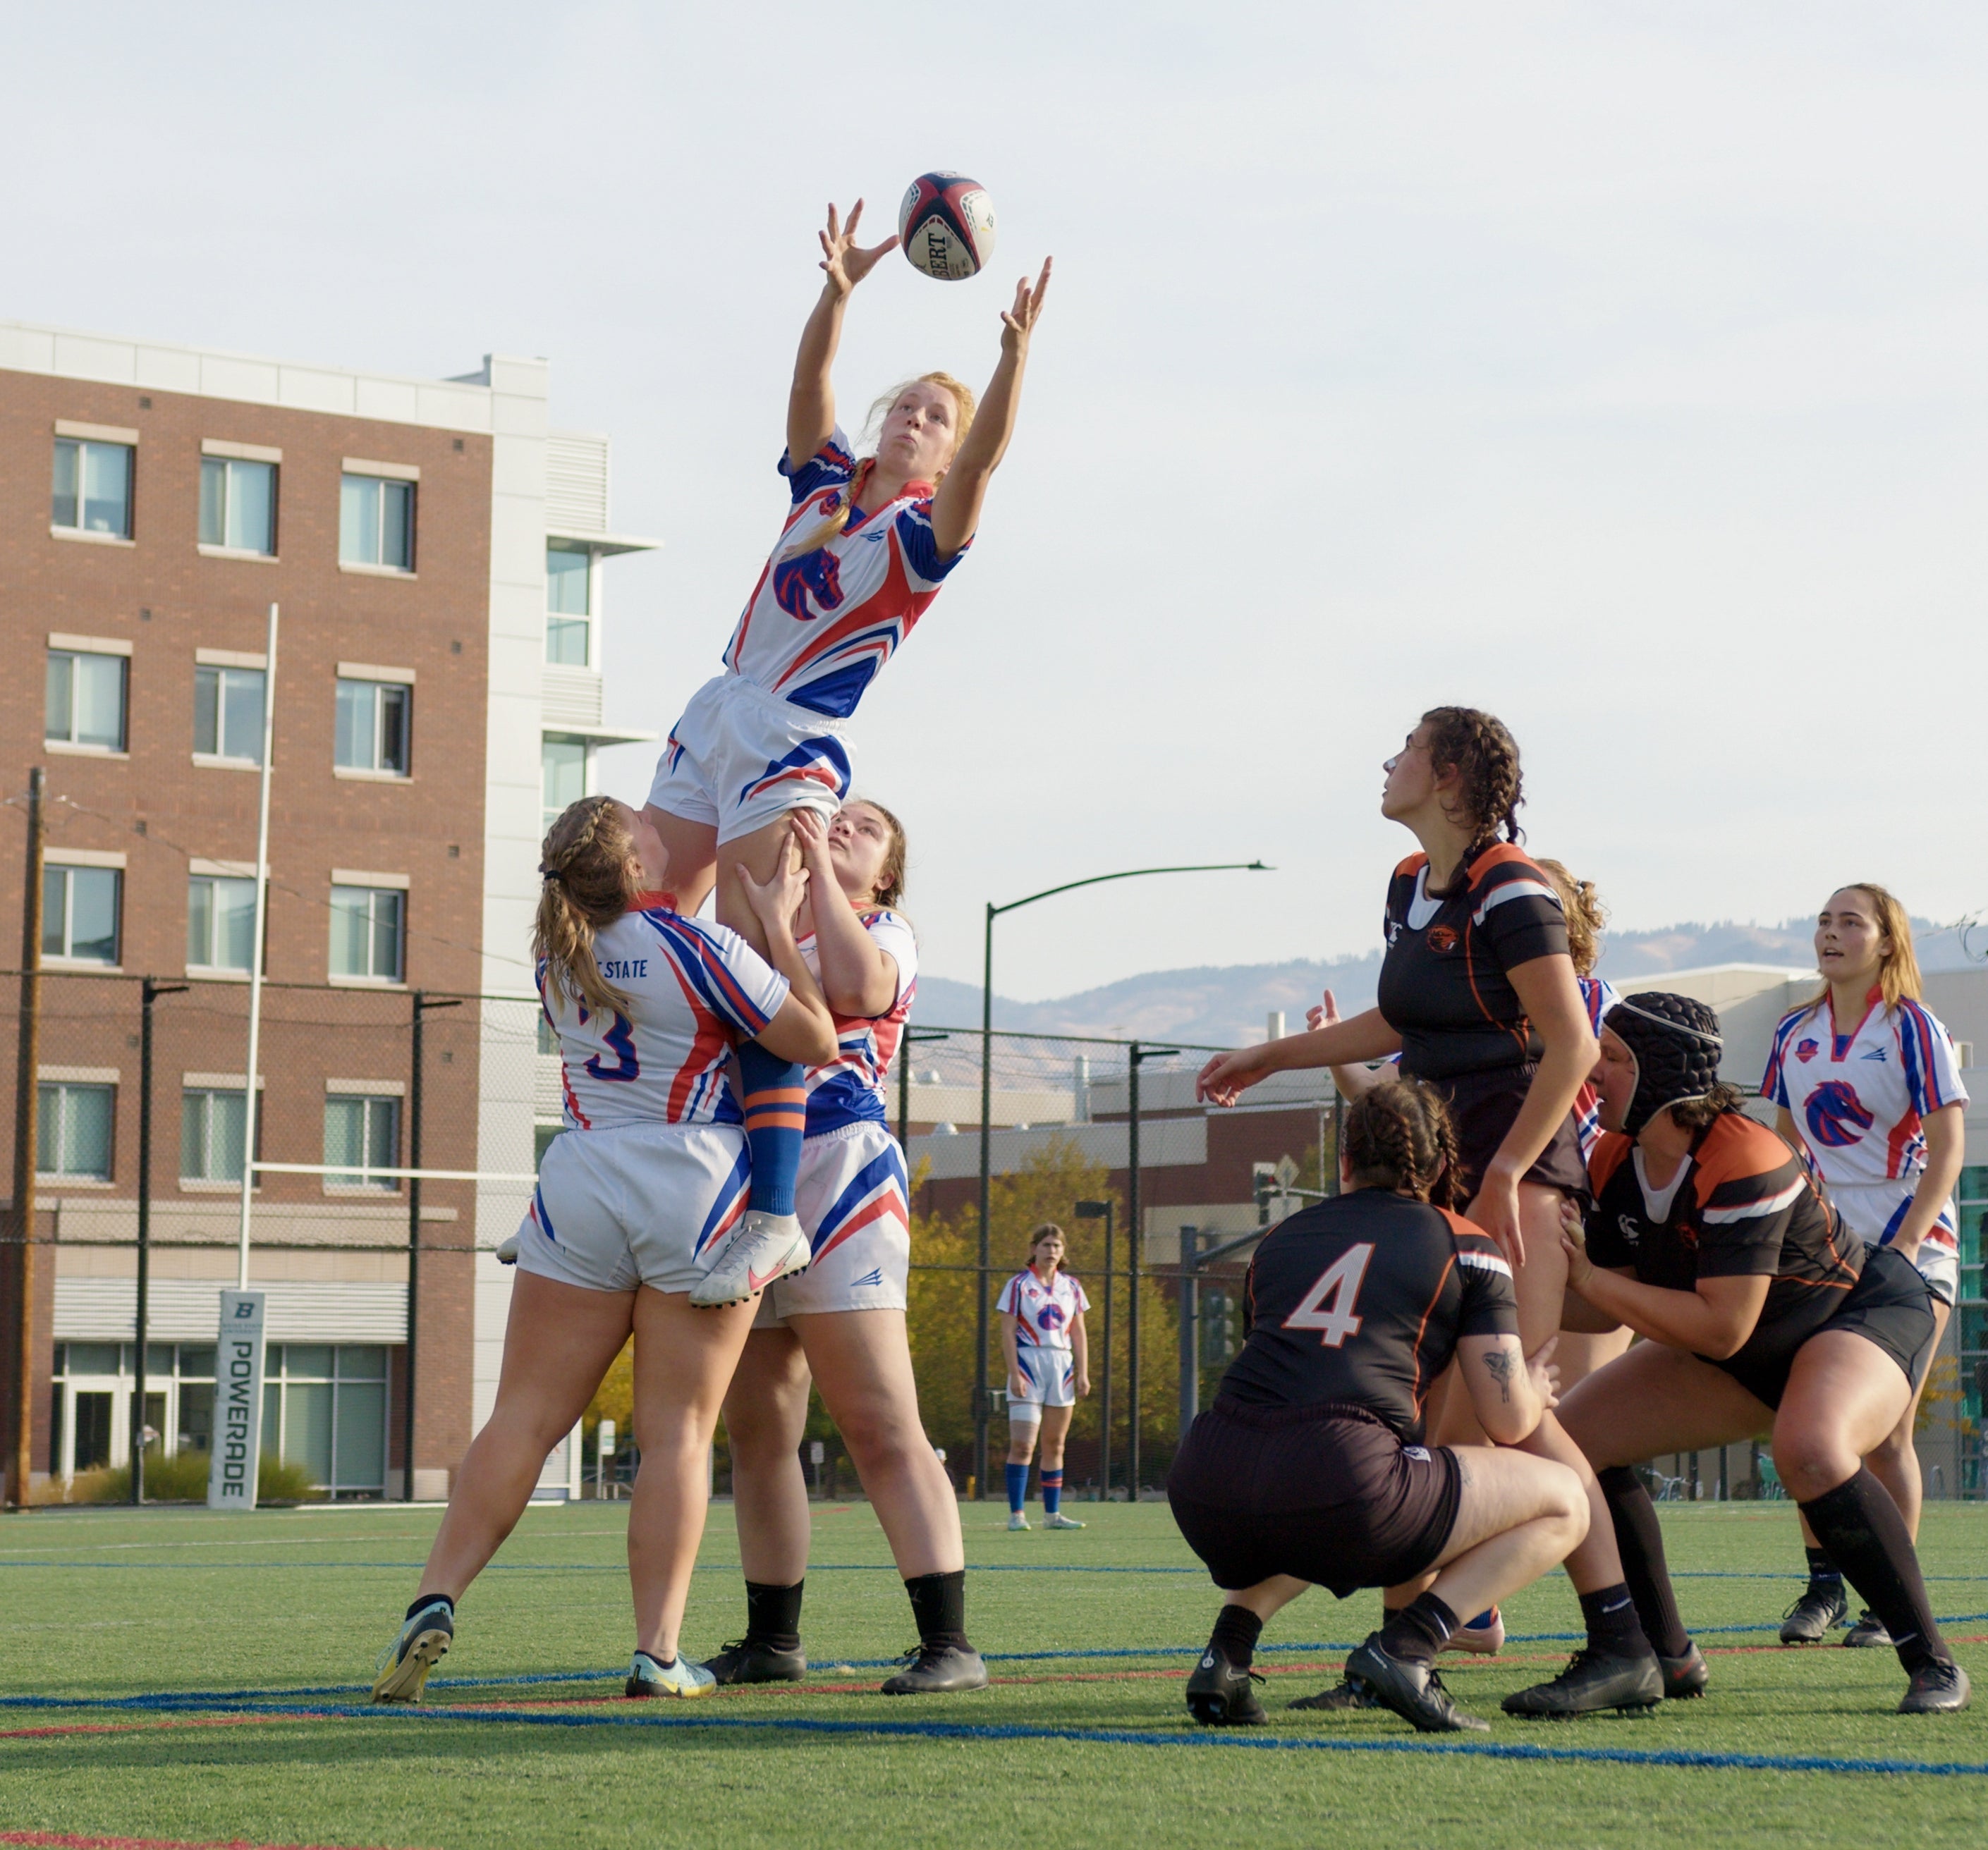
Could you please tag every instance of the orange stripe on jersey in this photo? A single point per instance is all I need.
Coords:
(1609, 1155)
(1737, 1150)
(1449, 1266)
(1414, 864)
(1464, 1228)
(1502, 854)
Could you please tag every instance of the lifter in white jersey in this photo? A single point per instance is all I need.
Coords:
(1867, 1087)
(840, 1324)
(649, 1170)
(864, 549)
(1048, 1355)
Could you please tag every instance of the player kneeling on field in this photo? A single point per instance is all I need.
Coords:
(1306, 1469)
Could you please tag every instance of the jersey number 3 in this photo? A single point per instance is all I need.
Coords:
(620, 1039)
(1327, 1307)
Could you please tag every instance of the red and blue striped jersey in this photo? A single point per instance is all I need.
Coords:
(1598, 997)
(694, 990)
(849, 1089)
(1043, 1313)
(820, 623)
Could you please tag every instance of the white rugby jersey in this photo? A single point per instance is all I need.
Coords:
(849, 1089)
(1858, 1098)
(818, 627)
(696, 988)
(1043, 1313)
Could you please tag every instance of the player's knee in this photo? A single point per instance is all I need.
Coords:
(1811, 1459)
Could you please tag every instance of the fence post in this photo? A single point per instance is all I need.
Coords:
(1190, 1358)
(149, 992)
(27, 1103)
(1132, 1273)
(1104, 1410)
(414, 1246)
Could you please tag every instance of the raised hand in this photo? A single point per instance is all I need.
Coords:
(1019, 322)
(1545, 1373)
(1573, 1243)
(1226, 1077)
(845, 261)
(810, 836)
(775, 903)
(1323, 1014)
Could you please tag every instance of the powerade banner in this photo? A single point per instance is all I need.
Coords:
(237, 1403)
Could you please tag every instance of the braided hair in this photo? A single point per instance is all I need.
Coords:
(1401, 1137)
(585, 863)
(1486, 757)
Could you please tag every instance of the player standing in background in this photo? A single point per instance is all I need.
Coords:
(839, 1325)
(651, 1169)
(1309, 1468)
(1759, 1310)
(1049, 1371)
(865, 548)
(1867, 1089)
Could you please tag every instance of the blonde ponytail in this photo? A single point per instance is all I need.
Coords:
(586, 859)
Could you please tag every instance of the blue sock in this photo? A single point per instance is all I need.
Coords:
(775, 1104)
(1483, 1619)
(1052, 1491)
(1017, 1487)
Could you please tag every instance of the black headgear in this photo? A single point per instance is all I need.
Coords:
(1676, 1044)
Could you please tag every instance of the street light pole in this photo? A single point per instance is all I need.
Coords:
(980, 1339)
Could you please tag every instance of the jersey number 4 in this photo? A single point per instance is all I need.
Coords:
(1327, 1307)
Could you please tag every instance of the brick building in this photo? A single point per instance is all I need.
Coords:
(436, 553)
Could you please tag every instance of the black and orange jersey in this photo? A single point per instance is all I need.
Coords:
(1360, 1302)
(1740, 1206)
(1443, 987)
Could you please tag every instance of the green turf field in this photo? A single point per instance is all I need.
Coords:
(104, 1606)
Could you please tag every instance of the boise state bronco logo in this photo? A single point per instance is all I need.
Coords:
(817, 572)
(1837, 1117)
(1050, 1317)
(1441, 938)
(1806, 1050)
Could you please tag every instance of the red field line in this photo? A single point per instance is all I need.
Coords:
(60, 1840)
(115, 1727)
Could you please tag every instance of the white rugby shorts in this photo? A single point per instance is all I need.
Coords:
(853, 1198)
(1051, 1378)
(741, 758)
(1876, 1210)
(636, 1204)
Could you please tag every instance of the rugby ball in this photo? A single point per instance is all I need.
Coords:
(947, 226)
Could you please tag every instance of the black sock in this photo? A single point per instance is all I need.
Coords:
(1613, 1627)
(429, 1599)
(667, 1663)
(1639, 1538)
(1418, 1631)
(1236, 1630)
(1824, 1576)
(938, 1604)
(773, 1616)
(1860, 1527)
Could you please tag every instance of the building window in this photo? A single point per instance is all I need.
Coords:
(79, 909)
(73, 1131)
(368, 924)
(86, 700)
(564, 762)
(90, 1378)
(238, 504)
(92, 487)
(227, 713)
(569, 605)
(211, 1126)
(376, 522)
(365, 1133)
(221, 923)
(372, 728)
(324, 1407)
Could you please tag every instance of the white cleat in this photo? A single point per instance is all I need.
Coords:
(1016, 1520)
(506, 1250)
(1060, 1521)
(683, 1679)
(761, 1248)
(1484, 1641)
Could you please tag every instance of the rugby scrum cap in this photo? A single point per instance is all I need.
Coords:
(1676, 1042)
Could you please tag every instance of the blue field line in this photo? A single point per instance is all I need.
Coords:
(166, 1699)
(1141, 1738)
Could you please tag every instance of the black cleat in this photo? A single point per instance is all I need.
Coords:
(1937, 1688)
(1685, 1676)
(1415, 1692)
(1348, 1693)
(1813, 1616)
(745, 1660)
(1220, 1693)
(937, 1670)
(1592, 1681)
(1868, 1631)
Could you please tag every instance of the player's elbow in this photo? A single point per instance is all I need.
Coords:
(1724, 1337)
(1510, 1423)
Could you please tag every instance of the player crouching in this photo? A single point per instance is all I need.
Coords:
(1306, 1469)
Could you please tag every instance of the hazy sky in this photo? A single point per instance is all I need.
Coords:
(1616, 367)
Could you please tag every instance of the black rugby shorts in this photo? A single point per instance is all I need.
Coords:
(1485, 1105)
(1327, 1494)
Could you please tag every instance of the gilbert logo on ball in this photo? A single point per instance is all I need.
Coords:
(947, 224)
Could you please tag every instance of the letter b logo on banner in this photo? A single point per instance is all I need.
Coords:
(237, 1403)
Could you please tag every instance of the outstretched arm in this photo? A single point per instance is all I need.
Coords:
(857, 976)
(1366, 1037)
(811, 403)
(956, 506)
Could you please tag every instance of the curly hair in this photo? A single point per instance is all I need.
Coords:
(1402, 1136)
(1586, 917)
(585, 863)
(1486, 757)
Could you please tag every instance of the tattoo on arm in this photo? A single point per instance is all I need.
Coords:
(1498, 1363)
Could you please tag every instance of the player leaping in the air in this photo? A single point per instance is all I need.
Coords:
(866, 547)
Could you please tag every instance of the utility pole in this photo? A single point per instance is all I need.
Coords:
(27, 1102)
(149, 992)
